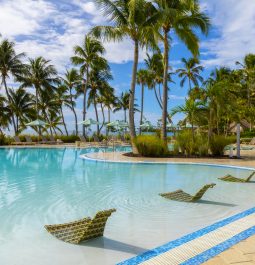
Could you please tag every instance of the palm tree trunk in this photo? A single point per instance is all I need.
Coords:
(189, 85)
(132, 98)
(109, 120)
(36, 107)
(102, 109)
(141, 117)
(63, 119)
(84, 99)
(159, 93)
(9, 99)
(95, 107)
(156, 95)
(165, 88)
(74, 112)
(125, 115)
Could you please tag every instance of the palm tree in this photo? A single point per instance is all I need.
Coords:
(61, 99)
(99, 77)
(54, 121)
(10, 65)
(20, 105)
(123, 104)
(190, 72)
(72, 83)
(128, 19)
(181, 17)
(40, 75)
(142, 79)
(87, 56)
(5, 114)
(192, 109)
(155, 67)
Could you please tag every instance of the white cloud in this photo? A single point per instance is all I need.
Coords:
(235, 31)
(50, 29)
(176, 97)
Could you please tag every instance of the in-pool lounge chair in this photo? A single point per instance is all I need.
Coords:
(29, 141)
(17, 141)
(81, 230)
(252, 142)
(231, 178)
(182, 196)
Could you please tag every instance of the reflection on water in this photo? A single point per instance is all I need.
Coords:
(44, 186)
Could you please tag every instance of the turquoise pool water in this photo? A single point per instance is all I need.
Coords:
(46, 186)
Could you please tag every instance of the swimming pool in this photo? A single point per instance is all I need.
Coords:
(47, 186)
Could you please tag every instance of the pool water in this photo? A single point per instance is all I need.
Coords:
(47, 186)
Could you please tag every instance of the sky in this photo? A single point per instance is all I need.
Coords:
(51, 28)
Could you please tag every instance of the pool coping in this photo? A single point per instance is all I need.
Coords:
(86, 157)
(204, 256)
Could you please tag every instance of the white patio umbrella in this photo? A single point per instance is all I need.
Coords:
(146, 125)
(89, 122)
(36, 123)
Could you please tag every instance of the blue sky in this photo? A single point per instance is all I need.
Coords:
(51, 28)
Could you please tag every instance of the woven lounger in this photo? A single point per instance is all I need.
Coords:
(231, 178)
(81, 230)
(182, 196)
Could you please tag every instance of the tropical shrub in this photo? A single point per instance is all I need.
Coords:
(5, 140)
(189, 145)
(151, 146)
(218, 143)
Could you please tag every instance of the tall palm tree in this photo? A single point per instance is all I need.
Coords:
(129, 19)
(87, 56)
(155, 67)
(181, 17)
(192, 109)
(142, 79)
(40, 75)
(72, 81)
(99, 77)
(62, 99)
(123, 104)
(21, 105)
(190, 72)
(5, 114)
(10, 65)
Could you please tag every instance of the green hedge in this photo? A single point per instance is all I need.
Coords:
(151, 146)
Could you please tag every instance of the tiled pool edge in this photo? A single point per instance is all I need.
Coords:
(216, 250)
(204, 256)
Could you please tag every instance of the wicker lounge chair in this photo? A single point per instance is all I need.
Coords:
(231, 178)
(81, 230)
(17, 141)
(182, 196)
(84, 141)
(252, 142)
(29, 141)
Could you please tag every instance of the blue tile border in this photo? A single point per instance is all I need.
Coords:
(178, 242)
(214, 251)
